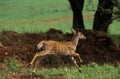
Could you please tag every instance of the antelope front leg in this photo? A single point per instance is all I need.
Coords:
(77, 55)
(80, 59)
(75, 63)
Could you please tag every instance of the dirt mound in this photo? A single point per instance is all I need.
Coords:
(98, 47)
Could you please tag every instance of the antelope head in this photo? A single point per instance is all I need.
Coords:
(81, 35)
(78, 34)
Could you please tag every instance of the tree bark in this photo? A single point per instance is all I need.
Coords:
(77, 7)
(102, 18)
(103, 15)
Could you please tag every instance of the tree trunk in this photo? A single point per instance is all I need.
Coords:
(77, 7)
(103, 15)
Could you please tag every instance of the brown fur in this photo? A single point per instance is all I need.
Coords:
(58, 48)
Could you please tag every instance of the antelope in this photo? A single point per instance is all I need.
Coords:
(58, 48)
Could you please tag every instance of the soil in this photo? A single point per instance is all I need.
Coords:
(98, 47)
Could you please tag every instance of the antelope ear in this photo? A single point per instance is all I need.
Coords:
(74, 31)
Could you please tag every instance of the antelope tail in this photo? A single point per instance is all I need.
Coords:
(40, 45)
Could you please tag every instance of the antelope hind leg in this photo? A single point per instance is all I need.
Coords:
(33, 60)
(36, 58)
(35, 67)
(37, 55)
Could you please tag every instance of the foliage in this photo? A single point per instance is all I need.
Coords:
(116, 11)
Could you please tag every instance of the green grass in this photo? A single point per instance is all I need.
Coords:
(35, 16)
(97, 72)
(91, 71)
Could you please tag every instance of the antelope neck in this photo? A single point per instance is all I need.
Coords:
(75, 40)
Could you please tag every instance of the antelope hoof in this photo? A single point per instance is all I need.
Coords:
(33, 75)
(81, 61)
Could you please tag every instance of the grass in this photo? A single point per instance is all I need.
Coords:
(34, 16)
(91, 71)
(94, 71)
